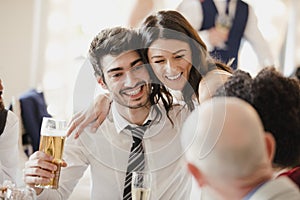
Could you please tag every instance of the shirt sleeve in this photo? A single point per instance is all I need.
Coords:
(192, 11)
(77, 162)
(254, 36)
(9, 150)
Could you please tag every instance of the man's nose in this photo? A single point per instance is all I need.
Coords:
(130, 79)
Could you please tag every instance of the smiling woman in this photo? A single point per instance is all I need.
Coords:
(171, 62)
(177, 54)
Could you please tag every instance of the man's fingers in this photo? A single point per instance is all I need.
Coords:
(34, 180)
(38, 172)
(41, 164)
(63, 164)
(40, 155)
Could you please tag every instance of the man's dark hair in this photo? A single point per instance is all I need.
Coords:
(237, 85)
(112, 41)
(277, 100)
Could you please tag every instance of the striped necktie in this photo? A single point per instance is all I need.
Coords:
(136, 161)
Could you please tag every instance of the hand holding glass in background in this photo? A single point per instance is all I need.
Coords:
(223, 23)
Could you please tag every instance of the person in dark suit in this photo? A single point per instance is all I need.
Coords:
(223, 24)
(33, 109)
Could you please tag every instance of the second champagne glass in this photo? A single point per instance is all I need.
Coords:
(141, 185)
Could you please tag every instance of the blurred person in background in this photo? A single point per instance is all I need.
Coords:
(9, 138)
(223, 24)
(142, 8)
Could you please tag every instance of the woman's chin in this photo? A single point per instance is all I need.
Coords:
(176, 86)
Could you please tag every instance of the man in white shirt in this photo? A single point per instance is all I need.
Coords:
(231, 155)
(224, 43)
(9, 135)
(120, 69)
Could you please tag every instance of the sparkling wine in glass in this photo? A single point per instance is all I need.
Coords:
(141, 185)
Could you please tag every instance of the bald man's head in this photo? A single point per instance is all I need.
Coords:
(228, 139)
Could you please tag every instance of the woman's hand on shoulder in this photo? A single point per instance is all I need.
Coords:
(95, 114)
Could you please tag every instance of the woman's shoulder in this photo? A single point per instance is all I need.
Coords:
(211, 82)
(218, 72)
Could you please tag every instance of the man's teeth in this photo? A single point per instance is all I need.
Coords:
(174, 77)
(134, 92)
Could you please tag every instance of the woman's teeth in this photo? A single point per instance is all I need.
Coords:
(173, 77)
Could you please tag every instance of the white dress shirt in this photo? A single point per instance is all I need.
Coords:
(107, 152)
(192, 11)
(9, 149)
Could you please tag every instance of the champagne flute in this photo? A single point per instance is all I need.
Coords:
(141, 185)
(23, 193)
(223, 23)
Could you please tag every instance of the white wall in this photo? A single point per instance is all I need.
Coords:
(15, 46)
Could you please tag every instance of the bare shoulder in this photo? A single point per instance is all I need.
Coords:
(211, 82)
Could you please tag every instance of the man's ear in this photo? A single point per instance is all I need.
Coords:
(270, 145)
(101, 82)
(197, 174)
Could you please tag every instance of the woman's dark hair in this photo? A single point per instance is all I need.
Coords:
(172, 25)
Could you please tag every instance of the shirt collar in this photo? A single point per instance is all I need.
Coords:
(121, 123)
